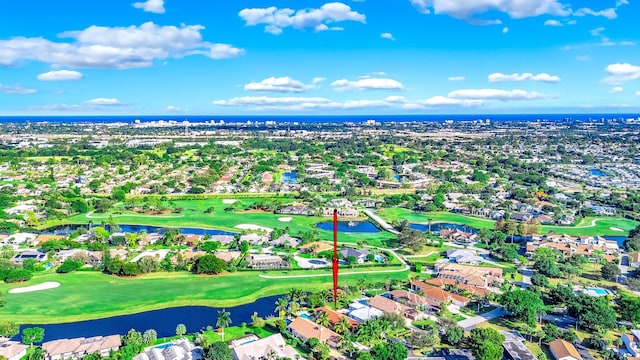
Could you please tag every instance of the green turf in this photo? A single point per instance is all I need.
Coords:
(92, 295)
(193, 215)
(584, 228)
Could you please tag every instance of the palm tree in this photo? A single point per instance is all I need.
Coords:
(323, 319)
(296, 295)
(281, 306)
(224, 320)
(343, 326)
(294, 307)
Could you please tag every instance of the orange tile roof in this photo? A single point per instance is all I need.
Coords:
(309, 329)
(335, 316)
(387, 305)
(561, 349)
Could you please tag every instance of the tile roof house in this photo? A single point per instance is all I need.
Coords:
(360, 255)
(473, 290)
(307, 329)
(12, 350)
(319, 247)
(631, 341)
(362, 313)
(285, 241)
(178, 350)
(389, 306)
(562, 350)
(462, 256)
(264, 349)
(438, 295)
(413, 300)
(80, 347)
(335, 316)
(634, 260)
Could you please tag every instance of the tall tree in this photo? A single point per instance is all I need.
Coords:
(224, 320)
(32, 335)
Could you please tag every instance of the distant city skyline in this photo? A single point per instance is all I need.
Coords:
(304, 57)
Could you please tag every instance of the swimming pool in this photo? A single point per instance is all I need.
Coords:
(305, 316)
(380, 258)
(318, 262)
(598, 291)
(163, 346)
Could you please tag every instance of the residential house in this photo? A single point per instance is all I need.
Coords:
(515, 348)
(335, 317)
(21, 238)
(266, 348)
(297, 210)
(228, 256)
(286, 241)
(523, 217)
(387, 305)
(181, 349)
(80, 347)
(342, 212)
(602, 210)
(414, 300)
(563, 350)
(267, 262)
(457, 235)
(28, 254)
(222, 239)
(12, 350)
(305, 329)
(20, 209)
(631, 341)
(362, 313)
(315, 246)
(254, 239)
(476, 276)
(360, 255)
(41, 239)
(117, 238)
(473, 290)
(460, 256)
(438, 295)
(634, 260)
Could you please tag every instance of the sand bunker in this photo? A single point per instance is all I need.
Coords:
(285, 219)
(43, 286)
(616, 229)
(229, 201)
(253, 227)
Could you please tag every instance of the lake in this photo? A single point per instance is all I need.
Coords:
(68, 229)
(163, 321)
(350, 227)
(598, 173)
(290, 178)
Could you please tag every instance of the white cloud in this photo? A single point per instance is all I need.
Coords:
(104, 102)
(552, 22)
(317, 80)
(387, 36)
(542, 77)
(505, 30)
(275, 19)
(367, 84)
(637, 93)
(60, 75)
(621, 73)
(115, 47)
(279, 84)
(596, 31)
(616, 89)
(466, 9)
(607, 13)
(583, 58)
(495, 94)
(16, 89)
(153, 6)
(443, 101)
(457, 78)
(175, 109)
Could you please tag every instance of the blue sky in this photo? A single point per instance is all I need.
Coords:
(224, 57)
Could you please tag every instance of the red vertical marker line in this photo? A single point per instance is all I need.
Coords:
(335, 258)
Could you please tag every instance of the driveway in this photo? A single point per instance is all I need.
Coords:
(471, 323)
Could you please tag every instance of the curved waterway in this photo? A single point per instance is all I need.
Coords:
(163, 321)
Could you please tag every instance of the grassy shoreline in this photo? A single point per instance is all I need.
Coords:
(92, 295)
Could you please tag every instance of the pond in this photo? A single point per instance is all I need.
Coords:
(436, 227)
(68, 229)
(290, 178)
(350, 226)
(598, 173)
(163, 321)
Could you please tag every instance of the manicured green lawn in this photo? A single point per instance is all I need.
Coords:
(586, 227)
(92, 295)
(194, 215)
(236, 332)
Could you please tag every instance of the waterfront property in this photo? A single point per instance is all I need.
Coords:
(80, 347)
(12, 350)
(267, 348)
(306, 329)
(181, 349)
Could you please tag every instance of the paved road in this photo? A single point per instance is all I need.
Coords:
(471, 323)
(385, 225)
(527, 273)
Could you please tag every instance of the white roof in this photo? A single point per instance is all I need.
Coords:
(366, 313)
